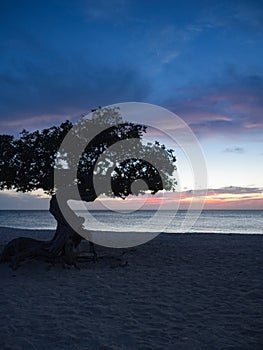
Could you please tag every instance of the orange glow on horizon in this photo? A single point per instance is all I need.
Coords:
(221, 199)
(214, 200)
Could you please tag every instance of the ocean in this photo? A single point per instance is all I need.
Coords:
(217, 221)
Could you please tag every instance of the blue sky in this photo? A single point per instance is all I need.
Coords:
(200, 59)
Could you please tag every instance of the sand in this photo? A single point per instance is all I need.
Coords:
(183, 291)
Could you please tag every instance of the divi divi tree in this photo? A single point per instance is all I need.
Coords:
(28, 163)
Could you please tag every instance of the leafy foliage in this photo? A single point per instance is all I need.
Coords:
(28, 163)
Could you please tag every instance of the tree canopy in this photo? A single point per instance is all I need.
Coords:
(27, 163)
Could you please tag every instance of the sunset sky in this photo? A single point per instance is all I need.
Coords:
(202, 60)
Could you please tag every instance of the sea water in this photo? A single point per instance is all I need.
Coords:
(214, 221)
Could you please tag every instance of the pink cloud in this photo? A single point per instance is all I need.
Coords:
(233, 106)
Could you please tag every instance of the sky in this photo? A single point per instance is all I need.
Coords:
(202, 60)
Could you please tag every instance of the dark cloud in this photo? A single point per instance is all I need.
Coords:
(65, 88)
(227, 190)
(232, 104)
(238, 150)
(115, 10)
(21, 201)
(244, 14)
(236, 190)
(58, 60)
(55, 64)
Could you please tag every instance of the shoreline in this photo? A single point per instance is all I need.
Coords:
(15, 231)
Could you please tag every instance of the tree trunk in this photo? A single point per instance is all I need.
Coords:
(60, 247)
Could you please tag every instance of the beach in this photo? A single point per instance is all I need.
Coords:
(178, 291)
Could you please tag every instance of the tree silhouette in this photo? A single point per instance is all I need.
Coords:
(28, 163)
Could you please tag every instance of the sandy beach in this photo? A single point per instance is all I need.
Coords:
(183, 291)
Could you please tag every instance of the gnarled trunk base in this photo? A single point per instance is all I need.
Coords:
(60, 248)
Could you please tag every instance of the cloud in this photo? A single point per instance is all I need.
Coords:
(249, 13)
(170, 57)
(10, 200)
(235, 190)
(60, 71)
(238, 150)
(104, 10)
(232, 104)
(233, 197)
(229, 197)
(245, 15)
(33, 91)
(165, 42)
